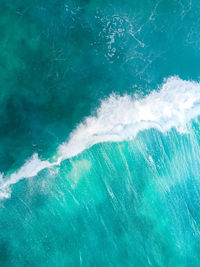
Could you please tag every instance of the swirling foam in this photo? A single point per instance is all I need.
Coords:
(121, 118)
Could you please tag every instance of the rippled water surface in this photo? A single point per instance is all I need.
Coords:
(99, 133)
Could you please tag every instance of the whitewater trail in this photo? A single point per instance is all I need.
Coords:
(120, 118)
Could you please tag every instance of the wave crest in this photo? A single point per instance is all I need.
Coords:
(120, 118)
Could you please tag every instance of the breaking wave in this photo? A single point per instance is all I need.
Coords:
(120, 118)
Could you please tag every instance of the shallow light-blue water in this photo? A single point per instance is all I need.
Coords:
(99, 133)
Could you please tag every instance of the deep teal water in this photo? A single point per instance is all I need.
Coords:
(129, 203)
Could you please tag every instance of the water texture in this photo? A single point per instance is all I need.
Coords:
(99, 133)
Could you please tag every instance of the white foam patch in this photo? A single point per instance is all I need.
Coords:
(121, 118)
(30, 169)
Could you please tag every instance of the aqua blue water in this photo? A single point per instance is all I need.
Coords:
(99, 133)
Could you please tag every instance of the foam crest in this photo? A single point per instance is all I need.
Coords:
(30, 169)
(120, 118)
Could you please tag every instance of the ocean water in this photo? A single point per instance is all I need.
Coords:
(100, 133)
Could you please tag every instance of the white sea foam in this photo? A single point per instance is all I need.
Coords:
(30, 169)
(121, 118)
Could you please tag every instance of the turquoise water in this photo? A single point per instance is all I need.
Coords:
(99, 133)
